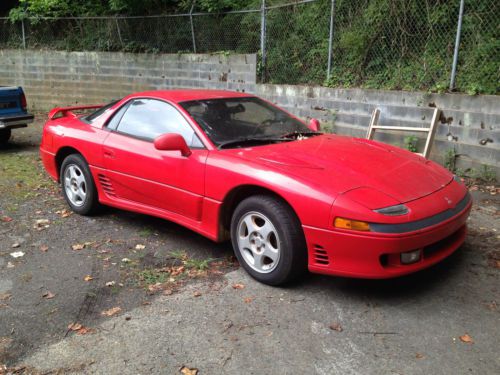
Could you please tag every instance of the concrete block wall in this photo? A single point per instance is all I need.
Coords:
(65, 78)
(469, 124)
(56, 78)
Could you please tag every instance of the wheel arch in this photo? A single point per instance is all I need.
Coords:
(61, 154)
(235, 196)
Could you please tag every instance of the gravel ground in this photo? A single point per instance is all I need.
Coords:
(122, 293)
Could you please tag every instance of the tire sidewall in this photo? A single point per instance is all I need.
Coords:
(90, 203)
(290, 250)
(5, 135)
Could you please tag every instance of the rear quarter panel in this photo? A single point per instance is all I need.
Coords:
(72, 132)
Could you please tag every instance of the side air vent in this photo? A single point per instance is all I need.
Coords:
(106, 185)
(320, 255)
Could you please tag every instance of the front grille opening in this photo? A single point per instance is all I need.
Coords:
(321, 255)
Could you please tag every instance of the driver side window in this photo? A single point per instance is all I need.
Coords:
(148, 118)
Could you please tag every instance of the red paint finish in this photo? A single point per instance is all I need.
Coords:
(321, 178)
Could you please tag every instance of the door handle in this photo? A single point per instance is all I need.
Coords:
(108, 153)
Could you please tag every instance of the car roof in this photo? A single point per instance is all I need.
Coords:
(190, 94)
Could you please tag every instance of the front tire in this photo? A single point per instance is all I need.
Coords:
(78, 186)
(268, 240)
(5, 135)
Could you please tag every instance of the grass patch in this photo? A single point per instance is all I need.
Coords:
(190, 263)
(152, 276)
(21, 176)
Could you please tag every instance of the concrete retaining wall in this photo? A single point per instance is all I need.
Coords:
(64, 78)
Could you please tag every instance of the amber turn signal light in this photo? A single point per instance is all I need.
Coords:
(340, 222)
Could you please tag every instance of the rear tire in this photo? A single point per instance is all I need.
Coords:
(5, 135)
(78, 186)
(268, 240)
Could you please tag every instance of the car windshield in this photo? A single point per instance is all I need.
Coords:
(234, 121)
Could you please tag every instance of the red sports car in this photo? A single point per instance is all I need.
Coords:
(229, 165)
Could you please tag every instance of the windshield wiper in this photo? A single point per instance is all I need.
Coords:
(297, 134)
(244, 140)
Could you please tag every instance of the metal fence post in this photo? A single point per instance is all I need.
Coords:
(192, 26)
(457, 43)
(24, 34)
(119, 32)
(330, 42)
(263, 39)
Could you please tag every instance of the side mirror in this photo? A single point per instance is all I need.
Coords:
(172, 142)
(314, 125)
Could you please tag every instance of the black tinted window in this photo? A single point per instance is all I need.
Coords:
(113, 123)
(149, 118)
(100, 111)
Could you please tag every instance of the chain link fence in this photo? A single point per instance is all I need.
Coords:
(388, 44)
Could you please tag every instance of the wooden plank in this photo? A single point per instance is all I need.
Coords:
(432, 133)
(373, 123)
(403, 128)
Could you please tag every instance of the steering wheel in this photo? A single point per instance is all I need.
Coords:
(264, 123)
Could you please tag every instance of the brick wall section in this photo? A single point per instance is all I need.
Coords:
(65, 78)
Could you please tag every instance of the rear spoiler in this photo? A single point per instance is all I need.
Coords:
(64, 111)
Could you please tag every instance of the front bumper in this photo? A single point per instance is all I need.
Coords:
(16, 121)
(377, 255)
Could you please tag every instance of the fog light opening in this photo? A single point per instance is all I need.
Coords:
(411, 256)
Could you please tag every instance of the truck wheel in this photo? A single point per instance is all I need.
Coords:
(78, 186)
(4, 135)
(268, 240)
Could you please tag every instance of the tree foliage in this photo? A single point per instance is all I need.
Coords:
(388, 44)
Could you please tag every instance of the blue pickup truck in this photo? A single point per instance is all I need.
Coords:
(13, 112)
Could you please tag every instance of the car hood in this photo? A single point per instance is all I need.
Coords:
(341, 164)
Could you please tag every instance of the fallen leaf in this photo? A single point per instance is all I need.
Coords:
(419, 356)
(48, 295)
(126, 260)
(74, 326)
(78, 246)
(17, 254)
(6, 219)
(112, 311)
(155, 287)
(140, 247)
(110, 283)
(88, 278)
(168, 292)
(497, 264)
(196, 294)
(5, 296)
(188, 371)
(248, 299)
(15, 245)
(79, 329)
(44, 248)
(492, 305)
(41, 224)
(64, 213)
(10, 265)
(84, 331)
(238, 286)
(466, 338)
(336, 327)
(175, 271)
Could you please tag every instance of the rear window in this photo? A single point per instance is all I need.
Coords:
(94, 115)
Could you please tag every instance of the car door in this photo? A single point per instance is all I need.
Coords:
(138, 172)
